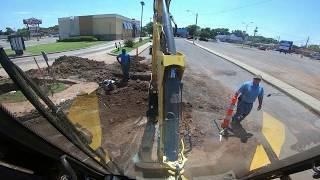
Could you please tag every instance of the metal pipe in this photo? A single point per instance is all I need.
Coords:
(166, 22)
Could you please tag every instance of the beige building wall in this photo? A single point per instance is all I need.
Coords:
(85, 23)
(119, 26)
(104, 25)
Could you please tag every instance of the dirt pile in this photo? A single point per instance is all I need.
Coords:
(89, 70)
(127, 100)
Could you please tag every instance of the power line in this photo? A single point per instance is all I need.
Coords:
(237, 8)
(282, 33)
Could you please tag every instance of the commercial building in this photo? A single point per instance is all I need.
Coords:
(104, 26)
(229, 38)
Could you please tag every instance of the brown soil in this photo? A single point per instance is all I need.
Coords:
(126, 101)
(122, 113)
(203, 98)
(89, 70)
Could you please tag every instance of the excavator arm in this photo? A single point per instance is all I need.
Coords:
(167, 70)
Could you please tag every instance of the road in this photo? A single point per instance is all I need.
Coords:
(32, 42)
(302, 73)
(26, 63)
(283, 127)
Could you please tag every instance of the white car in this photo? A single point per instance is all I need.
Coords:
(315, 56)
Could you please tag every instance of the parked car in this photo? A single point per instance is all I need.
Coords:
(315, 56)
(190, 37)
(262, 47)
(203, 39)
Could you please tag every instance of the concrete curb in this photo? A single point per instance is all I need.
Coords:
(307, 100)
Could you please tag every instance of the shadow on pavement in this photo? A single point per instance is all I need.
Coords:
(240, 132)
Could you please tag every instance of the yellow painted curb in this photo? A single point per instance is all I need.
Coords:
(274, 131)
(84, 111)
(260, 158)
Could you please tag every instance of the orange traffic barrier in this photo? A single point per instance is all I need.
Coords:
(229, 113)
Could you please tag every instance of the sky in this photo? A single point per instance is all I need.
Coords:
(288, 19)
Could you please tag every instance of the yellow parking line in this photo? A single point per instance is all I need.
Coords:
(274, 131)
(85, 112)
(260, 158)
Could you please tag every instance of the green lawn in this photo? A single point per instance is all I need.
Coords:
(56, 47)
(3, 81)
(19, 97)
(128, 49)
(9, 52)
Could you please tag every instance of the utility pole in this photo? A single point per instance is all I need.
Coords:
(307, 42)
(278, 37)
(142, 4)
(196, 19)
(196, 23)
(247, 25)
(196, 27)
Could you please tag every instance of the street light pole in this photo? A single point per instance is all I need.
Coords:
(247, 25)
(196, 27)
(196, 24)
(142, 4)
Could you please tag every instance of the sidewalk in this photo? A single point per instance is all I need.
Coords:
(140, 49)
(298, 95)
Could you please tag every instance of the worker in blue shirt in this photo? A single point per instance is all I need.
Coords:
(249, 91)
(125, 63)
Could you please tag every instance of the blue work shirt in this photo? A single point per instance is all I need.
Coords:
(250, 92)
(125, 58)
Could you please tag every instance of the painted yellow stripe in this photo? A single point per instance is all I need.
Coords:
(260, 158)
(85, 112)
(274, 131)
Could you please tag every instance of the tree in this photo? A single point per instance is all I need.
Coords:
(148, 28)
(23, 32)
(240, 33)
(144, 32)
(9, 31)
(222, 31)
(205, 33)
(314, 47)
(261, 39)
(255, 31)
(193, 29)
(1, 32)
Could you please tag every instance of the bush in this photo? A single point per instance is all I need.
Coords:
(129, 43)
(78, 39)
